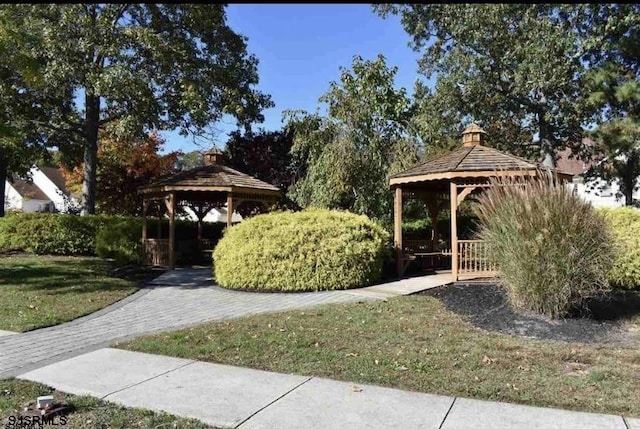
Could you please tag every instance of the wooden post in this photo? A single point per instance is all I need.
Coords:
(172, 230)
(454, 230)
(397, 231)
(145, 205)
(159, 224)
(229, 210)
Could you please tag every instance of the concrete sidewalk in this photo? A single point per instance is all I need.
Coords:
(232, 397)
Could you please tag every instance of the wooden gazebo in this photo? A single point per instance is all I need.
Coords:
(446, 181)
(203, 188)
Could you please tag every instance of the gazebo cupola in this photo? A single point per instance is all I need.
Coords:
(447, 180)
(213, 157)
(473, 136)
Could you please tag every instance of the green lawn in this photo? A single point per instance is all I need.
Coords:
(88, 412)
(414, 343)
(39, 291)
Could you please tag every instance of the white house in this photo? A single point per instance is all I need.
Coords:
(45, 191)
(215, 215)
(598, 192)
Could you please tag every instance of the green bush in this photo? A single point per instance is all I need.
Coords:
(121, 241)
(302, 251)
(625, 225)
(115, 237)
(47, 233)
(553, 250)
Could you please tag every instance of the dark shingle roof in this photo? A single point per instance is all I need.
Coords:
(55, 175)
(28, 190)
(469, 158)
(213, 176)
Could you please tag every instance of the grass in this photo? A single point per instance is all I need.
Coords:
(87, 412)
(40, 291)
(414, 343)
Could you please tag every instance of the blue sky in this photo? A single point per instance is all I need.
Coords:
(300, 49)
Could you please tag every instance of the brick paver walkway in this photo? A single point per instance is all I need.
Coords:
(176, 299)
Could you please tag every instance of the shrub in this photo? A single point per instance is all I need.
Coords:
(625, 225)
(121, 241)
(47, 233)
(115, 237)
(552, 248)
(302, 251)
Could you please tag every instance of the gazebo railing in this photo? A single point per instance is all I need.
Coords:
(155, 251)
(473, 259)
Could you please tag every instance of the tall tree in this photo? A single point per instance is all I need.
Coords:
(347, 155)
(123, 166)
(24, 101)
(513, 64)
(618, 151)
(266, 156)
(133, 67)
(614, 85)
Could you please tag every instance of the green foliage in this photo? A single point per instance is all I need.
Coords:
(346, 157)
(121, 241)
(117, 237)
(138, 66)
(625, 225)
(618, 146)
(302, 251)
(516, 68)
(47, 233)
(553, 250)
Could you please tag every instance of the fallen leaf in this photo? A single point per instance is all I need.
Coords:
(487, 360)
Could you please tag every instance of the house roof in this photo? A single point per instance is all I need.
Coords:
(210, 176)
(57, 177)
(569, 163)
(28, 190)
(472, 157)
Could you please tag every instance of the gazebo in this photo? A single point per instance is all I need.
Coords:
(446, 181)
(202, 189)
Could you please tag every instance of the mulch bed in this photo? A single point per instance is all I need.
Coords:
(485, 305)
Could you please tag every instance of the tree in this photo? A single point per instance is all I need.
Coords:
(516, 68)
(136, 67)
(346, 157)
(123, 166)
(614, 95)
(264, 155)
(190, 160)
(618, 150)
(23, 101)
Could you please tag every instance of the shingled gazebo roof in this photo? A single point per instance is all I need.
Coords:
(209, 178)
(470, 160)
(213, 176)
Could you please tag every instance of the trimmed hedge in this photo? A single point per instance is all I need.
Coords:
(302, 251)
(625, 225)
(115, 237)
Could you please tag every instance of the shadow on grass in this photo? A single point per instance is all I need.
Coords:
(69, 275)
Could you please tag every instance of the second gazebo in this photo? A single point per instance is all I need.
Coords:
(446, 181)
(201, 189)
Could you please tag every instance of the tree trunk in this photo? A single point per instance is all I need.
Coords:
(548, 154)
(92, 106)
(627, 183)
(3, 182)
